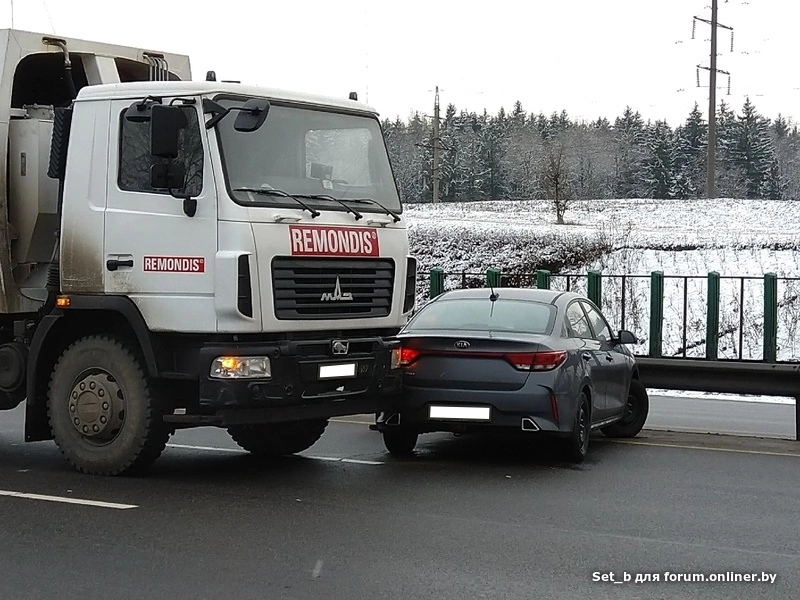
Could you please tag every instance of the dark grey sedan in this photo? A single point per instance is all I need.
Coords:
(539, 361)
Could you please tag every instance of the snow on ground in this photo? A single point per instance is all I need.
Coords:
(639, 223)
(714, 396)
(683, 239)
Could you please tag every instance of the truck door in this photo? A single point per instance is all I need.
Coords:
(154, 253)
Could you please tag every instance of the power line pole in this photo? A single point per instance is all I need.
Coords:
(436, 147)
(712, 94)
(712, 106)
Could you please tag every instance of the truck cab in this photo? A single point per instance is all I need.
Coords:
(196, 253)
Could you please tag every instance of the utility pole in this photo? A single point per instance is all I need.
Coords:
(712, 106)
(712, 94)
(436, 147)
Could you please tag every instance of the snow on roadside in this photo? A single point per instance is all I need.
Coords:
(728, 397)
(634, 237)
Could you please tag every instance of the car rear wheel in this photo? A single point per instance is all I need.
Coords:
(400, 442)
(576, 446)
(636, 411)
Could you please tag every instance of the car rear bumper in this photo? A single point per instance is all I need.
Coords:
(527, 409)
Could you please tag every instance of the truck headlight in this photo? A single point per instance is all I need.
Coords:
(241, 367)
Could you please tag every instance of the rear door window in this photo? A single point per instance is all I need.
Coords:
(481, 314)
(601, 330)
(578, 323)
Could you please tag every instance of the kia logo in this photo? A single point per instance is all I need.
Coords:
(463, 344)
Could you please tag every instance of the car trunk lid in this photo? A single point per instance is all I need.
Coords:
(475, 360)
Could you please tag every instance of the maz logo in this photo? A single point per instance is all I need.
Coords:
(337, 295)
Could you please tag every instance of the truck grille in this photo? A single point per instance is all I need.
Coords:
(306, 288)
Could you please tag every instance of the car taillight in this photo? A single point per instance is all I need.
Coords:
(536, 361)
(408, 356)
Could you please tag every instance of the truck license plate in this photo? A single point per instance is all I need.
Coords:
(337, 371)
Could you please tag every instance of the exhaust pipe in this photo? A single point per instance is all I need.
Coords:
(393, 420)
(529, 424)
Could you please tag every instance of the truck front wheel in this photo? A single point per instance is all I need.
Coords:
(104, 412)
(278, 439)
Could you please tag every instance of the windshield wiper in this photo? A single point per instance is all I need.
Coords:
(282, 194)
(357, 214)
(393, 214)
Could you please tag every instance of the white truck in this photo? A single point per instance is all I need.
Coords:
(178, 254)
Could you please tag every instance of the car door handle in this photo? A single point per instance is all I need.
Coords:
(112, 264)
(586, 356)
(609, 358)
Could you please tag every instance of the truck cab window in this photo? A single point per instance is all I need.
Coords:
(135, 160)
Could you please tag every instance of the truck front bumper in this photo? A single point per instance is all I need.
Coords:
(299, 386)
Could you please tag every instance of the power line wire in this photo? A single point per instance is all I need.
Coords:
(49, 17)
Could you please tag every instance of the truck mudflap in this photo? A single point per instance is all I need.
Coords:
(303, 380)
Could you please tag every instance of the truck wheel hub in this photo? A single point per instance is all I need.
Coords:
(96, 406)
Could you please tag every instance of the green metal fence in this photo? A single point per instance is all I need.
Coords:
(713, 317)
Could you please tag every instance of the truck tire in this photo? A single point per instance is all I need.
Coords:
(104, 412)
(13, 366)
(278, 439)
(636, 411)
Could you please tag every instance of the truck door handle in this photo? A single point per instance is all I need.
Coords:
(112, 264)
(609, 358)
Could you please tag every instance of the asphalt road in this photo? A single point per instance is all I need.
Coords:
(465, 518)
(722, 416)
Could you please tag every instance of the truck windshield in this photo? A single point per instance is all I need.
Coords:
(319, 155)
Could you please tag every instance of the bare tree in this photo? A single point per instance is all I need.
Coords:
(555, 178)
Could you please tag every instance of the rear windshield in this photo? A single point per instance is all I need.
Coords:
(481, 314)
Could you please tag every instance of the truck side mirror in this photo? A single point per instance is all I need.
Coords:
(167, 176)
(142, 110)
(139, 112)
(166, 123)
(252, 115)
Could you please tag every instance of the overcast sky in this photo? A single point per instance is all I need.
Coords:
(590, 57)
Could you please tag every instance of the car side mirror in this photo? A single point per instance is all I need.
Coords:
(166, 123)
(626, 338)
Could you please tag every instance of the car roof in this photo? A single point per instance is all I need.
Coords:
(529, 294)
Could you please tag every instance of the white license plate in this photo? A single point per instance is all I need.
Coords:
(469, 413)
(335, 371)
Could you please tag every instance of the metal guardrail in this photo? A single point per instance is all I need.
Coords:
(719, 369)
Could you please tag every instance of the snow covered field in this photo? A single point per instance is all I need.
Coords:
(737, 238)
(658, 224)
